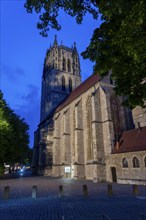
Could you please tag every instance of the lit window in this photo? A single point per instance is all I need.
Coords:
(124, 162)
(135, 162)
(63, 83)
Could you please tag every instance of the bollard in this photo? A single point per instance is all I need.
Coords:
(60, 190)
(109, 189)
(6, 192)
(85, 190)
(135, 190)
(34, 192)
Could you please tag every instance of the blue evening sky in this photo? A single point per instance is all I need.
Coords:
(22, 52)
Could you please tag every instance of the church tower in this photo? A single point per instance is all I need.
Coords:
(61, 75)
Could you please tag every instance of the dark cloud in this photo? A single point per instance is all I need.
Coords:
(12, 74)
(30, 97)
(19, 71)
(30, 109)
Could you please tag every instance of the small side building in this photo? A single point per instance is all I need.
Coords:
(127, 162)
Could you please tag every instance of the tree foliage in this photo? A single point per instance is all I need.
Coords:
(118, 45)
(49, 10)
(14, 138)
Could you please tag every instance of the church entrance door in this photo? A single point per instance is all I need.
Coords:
(114, 174)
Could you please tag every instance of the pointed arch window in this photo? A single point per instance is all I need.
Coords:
(145, 161)
(115, 110)
(124, 163)
(135, 162)
(70, 85)
(69, 65)
(63, 83)
(64, 63)
(89, 132)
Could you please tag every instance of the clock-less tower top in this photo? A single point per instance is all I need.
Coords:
(61, 75)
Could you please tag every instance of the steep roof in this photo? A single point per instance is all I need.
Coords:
(92, 80)
(132, 140)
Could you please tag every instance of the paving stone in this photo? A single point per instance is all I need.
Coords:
(122, 205)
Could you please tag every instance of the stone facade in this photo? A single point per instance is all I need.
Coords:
(87, 135)
(61, 75)
(126, 171)
(80, 123)
(139, 116)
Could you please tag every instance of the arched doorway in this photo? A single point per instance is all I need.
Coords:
(114, 174)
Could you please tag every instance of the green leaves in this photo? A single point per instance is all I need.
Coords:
(118, 45)
(14, 138)
(49, 10)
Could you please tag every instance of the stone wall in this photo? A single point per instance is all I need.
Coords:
(61, 75)
(130, 174)
(80, 137)
(83, 135)
(139, 116)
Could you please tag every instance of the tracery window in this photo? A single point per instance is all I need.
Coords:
(70, 84)
(89, 125)
(124, 162)
(64, 63)
(135, 162)
(69, 65)
(63, 83)
(115, 113)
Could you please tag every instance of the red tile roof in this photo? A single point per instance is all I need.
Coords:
(92, 80)
(132, 140)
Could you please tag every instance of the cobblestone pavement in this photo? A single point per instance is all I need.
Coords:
(48, 205)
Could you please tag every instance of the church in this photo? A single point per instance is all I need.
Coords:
(85, 132)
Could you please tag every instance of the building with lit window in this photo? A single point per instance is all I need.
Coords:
(84, 131)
